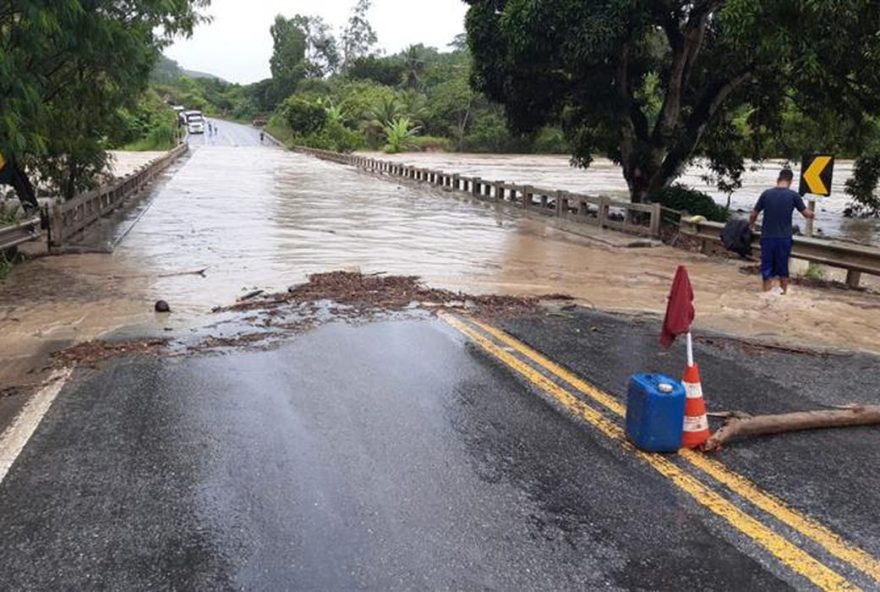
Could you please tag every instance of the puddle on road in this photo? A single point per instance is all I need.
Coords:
(257, 217)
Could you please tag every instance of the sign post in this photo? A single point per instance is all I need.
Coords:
(5, 171)
(817, 171)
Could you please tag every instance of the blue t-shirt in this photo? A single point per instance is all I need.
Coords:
(778, 205)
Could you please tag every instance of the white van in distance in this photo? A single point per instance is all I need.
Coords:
(195, 123)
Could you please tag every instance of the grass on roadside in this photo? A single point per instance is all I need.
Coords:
(5, 266)
(814, 272)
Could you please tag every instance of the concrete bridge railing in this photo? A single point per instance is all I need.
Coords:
(72, 217)
(19, 233)
(854, 258)
(642, 219)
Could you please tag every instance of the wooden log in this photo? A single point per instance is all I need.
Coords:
(761, 425)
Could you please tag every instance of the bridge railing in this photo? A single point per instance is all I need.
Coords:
(642, 219)
(19, 233)
(854, 258)
(72, 217)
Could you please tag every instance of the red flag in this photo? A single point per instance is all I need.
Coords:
(679, 309)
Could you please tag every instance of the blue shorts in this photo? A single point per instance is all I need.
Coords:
(775, 253)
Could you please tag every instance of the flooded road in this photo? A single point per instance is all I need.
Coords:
(253, 216)
(604, 178)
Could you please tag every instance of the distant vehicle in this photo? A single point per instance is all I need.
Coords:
(260, 122)
(195, 122)
(195, 126)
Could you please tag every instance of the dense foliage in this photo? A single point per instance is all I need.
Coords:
(69, 70)
(654, 84)
(863, 185)
(424, 88)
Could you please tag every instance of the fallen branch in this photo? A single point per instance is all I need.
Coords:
(739, 426)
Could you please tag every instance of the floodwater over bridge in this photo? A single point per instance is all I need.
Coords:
(254, 216)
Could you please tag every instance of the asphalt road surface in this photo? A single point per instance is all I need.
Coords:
(226, 134)
(423, 454)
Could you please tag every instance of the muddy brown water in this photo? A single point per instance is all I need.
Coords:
(259, 217)
(604, 178)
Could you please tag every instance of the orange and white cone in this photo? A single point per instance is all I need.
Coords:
(696, 422)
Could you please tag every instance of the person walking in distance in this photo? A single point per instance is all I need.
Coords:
(778, 204)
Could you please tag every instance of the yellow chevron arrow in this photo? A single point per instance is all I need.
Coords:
(813, 175)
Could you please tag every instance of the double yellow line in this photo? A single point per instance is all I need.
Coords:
(818, 573)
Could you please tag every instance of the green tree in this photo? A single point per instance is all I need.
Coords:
(303, 117)
(288, 61)
(322, 56)
(387, 71)
(653, 84)
(68, 68)
(414, 62)
(862, 186)
(358, 38)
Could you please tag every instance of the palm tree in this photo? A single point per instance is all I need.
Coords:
(413, 67)
(399, 133)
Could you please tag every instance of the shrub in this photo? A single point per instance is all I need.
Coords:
(336, 137)
(399, 134)
(303, 117)
(696, 203)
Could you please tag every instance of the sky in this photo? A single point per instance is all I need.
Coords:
(236, 46)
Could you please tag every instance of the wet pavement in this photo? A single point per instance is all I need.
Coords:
(388, 456)
(398, 455)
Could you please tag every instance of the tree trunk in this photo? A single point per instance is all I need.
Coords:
(740, 425)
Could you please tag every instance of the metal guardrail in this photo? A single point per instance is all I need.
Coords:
(854, 258)
(71, 217)
(643, 219)
(19, 233)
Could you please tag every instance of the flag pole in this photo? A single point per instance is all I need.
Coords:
(690, 350)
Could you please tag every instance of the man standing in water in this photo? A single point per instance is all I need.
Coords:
(778, 205)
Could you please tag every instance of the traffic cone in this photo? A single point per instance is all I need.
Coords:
(696, 423)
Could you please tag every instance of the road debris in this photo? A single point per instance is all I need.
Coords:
(380, 293)
(92, 353)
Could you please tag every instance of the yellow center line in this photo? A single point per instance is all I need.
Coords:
(786, 552)
(742, 486)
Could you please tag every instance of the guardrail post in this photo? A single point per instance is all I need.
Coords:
(561, 203)
(656, 219)
(58, 230)
(528, 194)
(475, 186)
(456, 181)
(853, 278)
(499, 191)
(603, 211)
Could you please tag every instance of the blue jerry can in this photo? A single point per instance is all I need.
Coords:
(655, 412)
